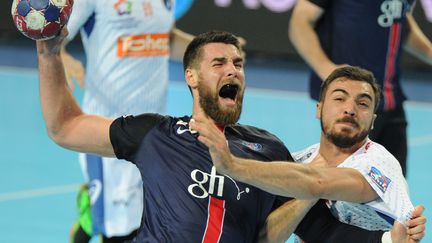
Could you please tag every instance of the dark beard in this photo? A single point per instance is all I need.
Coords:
(211, 107)
(343, 141)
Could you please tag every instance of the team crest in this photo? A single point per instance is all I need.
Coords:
(379, 179)
(253, 146)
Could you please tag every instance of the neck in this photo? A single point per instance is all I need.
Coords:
(197, 110)
(334, 154)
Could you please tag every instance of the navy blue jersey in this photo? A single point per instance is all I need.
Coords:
(368, 34)
(186, 200)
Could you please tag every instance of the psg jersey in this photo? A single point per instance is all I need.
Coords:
(368, 34)
(186, 199)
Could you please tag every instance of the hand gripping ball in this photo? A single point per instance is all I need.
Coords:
(41, 19)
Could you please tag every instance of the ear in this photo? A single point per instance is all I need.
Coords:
(373, 120)
(318, 110)
(191, 78)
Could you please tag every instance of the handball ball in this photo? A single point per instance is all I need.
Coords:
(41, 19)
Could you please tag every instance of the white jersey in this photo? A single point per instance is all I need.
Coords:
(127, 50)
(384, 174)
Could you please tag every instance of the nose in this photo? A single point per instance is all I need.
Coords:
(231, 70)
(349, 113)
(349, 110)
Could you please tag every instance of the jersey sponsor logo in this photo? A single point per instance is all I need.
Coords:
(379, 179)
(123, 7)
(391, 10)
(211, 184)
(253, 146)
(95, 189)
(183, 127)
(181, 130)
(239, 191)
(156, 44)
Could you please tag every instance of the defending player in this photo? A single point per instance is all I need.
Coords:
(371, 177)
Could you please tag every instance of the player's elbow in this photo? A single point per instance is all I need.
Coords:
(61, 131)
(292, 28)
(56, 134)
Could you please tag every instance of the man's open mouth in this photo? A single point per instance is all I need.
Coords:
(229, 91)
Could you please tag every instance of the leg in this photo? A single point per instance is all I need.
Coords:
(78, 235)
(82, 230)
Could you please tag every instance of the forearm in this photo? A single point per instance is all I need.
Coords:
(306, 42)
(279, 178)
(282, 222)
(58, 104)
(302, 181)
(417, 43)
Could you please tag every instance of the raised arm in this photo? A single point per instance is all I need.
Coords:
(67, 125)
(282, 178)
(74, 69)
(417, 43)
(305, 39)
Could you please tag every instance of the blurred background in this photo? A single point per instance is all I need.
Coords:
(39, 180)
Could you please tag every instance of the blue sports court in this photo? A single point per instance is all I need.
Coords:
(39, 179)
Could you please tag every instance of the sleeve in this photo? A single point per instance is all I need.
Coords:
(321, 3)
(384, 175)
(82, 10)
(127, 133)
(319, 226)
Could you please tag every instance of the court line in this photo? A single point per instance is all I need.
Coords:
(420, 141)
(41, 192)
(19, 70)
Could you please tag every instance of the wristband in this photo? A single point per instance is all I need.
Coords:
(386, 237)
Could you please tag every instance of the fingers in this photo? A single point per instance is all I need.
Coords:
(52, 46)
(204, 128)
(417, 227)
(417, 224)
(418, 211)
(209, 133)
(202, 124)
(418, 234)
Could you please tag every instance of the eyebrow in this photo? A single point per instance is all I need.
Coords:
(340, 90)
(363, 95)
(224, 59)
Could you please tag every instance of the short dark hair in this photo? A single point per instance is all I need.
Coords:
(352, 73)
(193, 50)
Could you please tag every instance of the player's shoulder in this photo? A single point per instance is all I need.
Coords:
(260, 140)
(373, 148)
(254, 132)
(376, 154)
(258, 135)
